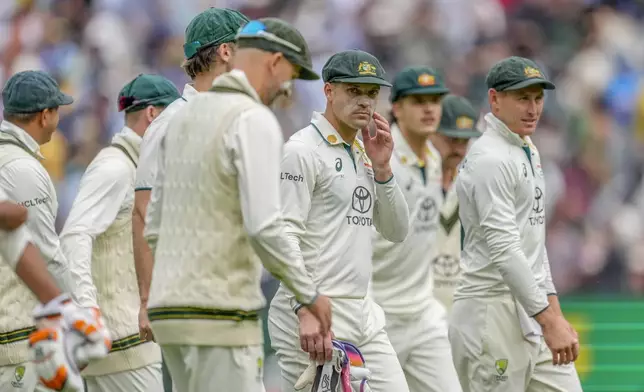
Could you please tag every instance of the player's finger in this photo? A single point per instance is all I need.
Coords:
(304, 344)
(365, 134)
(555, 357)
(310, 342)
(379, 117)
(320, 352)
(328, 346)
(569, 355)
(382, 125)
(575, 351)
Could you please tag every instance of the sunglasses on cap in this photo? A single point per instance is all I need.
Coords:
(257, 29)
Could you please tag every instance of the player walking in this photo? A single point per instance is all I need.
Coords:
(456, 129)
(97, 241)
(31, 100)
(506, 327)
(208, 51)
(402, 276)
(335, 189)
(215, 207)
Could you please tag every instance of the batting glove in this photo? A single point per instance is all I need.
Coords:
(67, 339)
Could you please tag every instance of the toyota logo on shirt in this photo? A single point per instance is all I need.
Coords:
(361, 200)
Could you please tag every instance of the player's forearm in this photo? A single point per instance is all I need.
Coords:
(391, 213)
(78, 250)
(511, 262)
(283, 260)
(143, 259)
(32, 269)
(548, 285)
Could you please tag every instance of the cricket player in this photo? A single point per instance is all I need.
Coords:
(457, 128)
(56, 308)
(97, 241)
(31, 100)
(208, 51)
(216, 207)
(506, 327)
(335, 190)
(402, 273)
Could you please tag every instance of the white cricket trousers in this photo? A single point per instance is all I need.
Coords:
(20, 378)
(214, 368)
(491, 353)
(145, 379)
(424, 350)
(359, 321)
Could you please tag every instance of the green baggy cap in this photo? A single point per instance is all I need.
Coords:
(354, 66)
(146, 90)
(419, 80)
(514, 73)
(275, 35)
(459, 118)
(32, 92)
(212, 27)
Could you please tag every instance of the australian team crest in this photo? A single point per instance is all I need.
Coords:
(501, 366)
(366, 68)
(531, 72)
(18, 374)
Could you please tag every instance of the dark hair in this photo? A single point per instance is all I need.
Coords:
(202, 61)
(23, 118)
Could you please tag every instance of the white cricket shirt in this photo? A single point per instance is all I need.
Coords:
(331, 204)
(26, 182)
(402, 273)
(501, 193)
(105, 191)
(149, 159)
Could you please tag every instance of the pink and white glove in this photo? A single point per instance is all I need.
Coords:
(67, 339)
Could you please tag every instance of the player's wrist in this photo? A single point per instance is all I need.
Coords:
(545, 317)
(383, 173)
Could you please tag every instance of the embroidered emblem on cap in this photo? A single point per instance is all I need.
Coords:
(426, 80)
(464, 122)
(531, 72)
(366, 68)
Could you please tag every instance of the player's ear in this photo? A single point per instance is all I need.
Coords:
(328, 90)
(225, 52)
(396, 109)
(150, 113)
(492, 97)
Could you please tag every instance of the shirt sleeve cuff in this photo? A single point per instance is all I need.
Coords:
(385, 182)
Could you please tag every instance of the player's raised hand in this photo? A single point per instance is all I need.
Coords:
(380, 146)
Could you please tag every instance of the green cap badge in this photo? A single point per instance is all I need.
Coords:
(354, 66)
(459, 118)
(32, 92)
(212, 27)
(417, 81)
(514, 73)
(146, 90)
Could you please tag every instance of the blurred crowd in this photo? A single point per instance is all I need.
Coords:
(591, 135)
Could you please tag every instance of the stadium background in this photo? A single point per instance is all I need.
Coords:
(591, 136)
